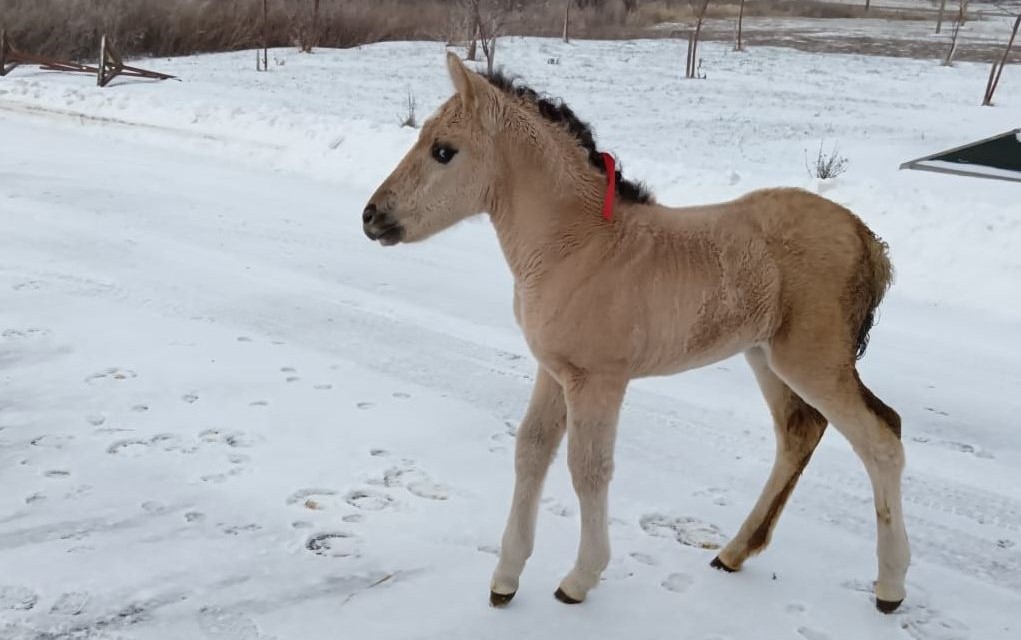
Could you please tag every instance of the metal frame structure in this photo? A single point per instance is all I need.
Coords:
(918, 165)
(110, 63)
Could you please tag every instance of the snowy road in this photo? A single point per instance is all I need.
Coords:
(225, 415)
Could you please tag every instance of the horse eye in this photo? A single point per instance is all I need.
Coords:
(443, 153)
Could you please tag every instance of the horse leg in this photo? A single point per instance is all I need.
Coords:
(593, 407)
(537, 440)
(873, 429)
(798, 429)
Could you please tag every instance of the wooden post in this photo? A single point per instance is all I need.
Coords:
(315, 27)
(567, 20)
(6, 49)
(265, 39)
(101, 78)
(939, 19)
(740, 19)
(994, 73)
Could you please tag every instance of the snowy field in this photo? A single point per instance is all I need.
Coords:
(226, 415)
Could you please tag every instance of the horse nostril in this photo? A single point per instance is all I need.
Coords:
(369, 214)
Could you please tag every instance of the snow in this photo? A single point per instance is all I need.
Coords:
(225, 414)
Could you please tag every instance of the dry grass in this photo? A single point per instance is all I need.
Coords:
(71, 28)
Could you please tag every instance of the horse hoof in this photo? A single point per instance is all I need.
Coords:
(718, 564)
(500, 600)
(887, 606)
(563, 597)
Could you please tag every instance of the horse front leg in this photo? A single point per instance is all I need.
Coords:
(538, 437)
(593, 408)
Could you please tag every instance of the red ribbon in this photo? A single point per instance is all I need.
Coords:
(611, 185)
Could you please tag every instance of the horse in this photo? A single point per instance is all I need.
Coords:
(611, 286)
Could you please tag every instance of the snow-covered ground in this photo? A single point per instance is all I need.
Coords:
(225, 414)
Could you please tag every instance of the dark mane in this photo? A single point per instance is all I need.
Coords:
(554, 110)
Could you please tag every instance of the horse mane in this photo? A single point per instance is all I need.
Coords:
(556, 111)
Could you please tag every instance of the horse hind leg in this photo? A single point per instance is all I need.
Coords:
(873, 429)
(798, 429)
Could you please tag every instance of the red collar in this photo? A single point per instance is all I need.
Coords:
(611, 185)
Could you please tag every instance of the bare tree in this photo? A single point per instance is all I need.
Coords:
(740, 20)
(963, 14)
(867, 3)
(939, 18)
(263, 65)
(699, 8)
(994, 73)
(486, 20)
(312, 35)
(949, 59)
(567, 20)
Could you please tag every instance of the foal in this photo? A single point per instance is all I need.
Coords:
(786, 277)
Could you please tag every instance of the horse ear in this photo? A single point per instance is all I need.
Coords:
(473, 88)
(459, 74)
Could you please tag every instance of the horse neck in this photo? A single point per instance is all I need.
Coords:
(544, 208)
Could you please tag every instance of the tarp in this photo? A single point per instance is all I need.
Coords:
(996, 158)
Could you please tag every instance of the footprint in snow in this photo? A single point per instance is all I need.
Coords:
(365, 405)
(416, 482)
(312, 499)
(217, 624)
(336, 544)
(17, 598)
(922, 623)
(57, 473)
(190, 398)
(644, 558)
(368, 500)
(20, 334)
(812, 634)
(558, 508)
(112, 374)
(323, 387)
(71, 603)
(717, 494)
(686, 530)
(400, 395)
(243, 339)
(127, 446)
(95, 419)
(678, 582)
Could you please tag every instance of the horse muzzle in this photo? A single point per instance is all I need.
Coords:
(381, 226)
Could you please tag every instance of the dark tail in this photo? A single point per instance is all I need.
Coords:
(876, 275)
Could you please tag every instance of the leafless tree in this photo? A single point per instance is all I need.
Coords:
(740, 20)
(939, 18)
(867, 3)
(997, 70)
(958, 21)
(312, 36)
(698, 8)
(486, 20)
